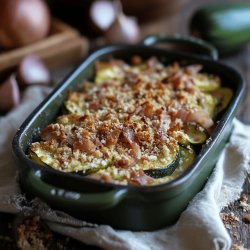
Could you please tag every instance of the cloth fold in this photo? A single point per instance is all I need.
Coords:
(199, 226)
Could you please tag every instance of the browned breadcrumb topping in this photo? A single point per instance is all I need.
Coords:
(229, 219)
(32, 234)
(244, 198)
(238, 247)
(128, 121)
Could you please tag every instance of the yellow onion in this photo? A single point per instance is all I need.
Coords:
(9, 94)
(23, 22)
(32, 70)
(124, 29)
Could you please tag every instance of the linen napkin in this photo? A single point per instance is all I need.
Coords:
(199, 226)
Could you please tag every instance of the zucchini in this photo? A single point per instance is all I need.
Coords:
(223, 97)
(187, 157)
(224, 25)
(208, 103)
(34, 157)
(108, 72)
(196, 134)
(46, 157)
(159, 172)
(184, 159)
(206, 82)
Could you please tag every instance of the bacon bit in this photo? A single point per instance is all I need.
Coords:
(113, 137)
(86, 145)
(135, 151)
(131, 78)
(83, 117)
(123, 163)
(182, 114)
(139, 178)
(151, 62)
(135, 60)
(51, 132)
(148, 110)
(189, 86)
(176, 79)
(103, 177)
(192, 69)
(200, 116)
(128, 134)
(174, 127)
(97, 142)
(94, 105)
(70, 141)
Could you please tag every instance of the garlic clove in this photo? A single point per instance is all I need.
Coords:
(102, 14)
(9, 94)
(123, 29)
(32, 70)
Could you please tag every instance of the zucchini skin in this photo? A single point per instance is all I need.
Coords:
(224, 25)
(164, 171)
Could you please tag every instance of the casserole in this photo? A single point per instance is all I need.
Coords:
(124, 207)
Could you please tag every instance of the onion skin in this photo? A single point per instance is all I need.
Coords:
(123, 29)
(23, 22)
(9, 94)
(102, 14)
(32, 70)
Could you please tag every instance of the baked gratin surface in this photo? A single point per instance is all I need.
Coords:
(130, 121)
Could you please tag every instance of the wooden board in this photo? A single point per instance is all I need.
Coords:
(63, 46)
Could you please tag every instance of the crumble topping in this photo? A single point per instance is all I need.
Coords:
(130, 120)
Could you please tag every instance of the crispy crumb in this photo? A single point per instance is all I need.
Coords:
(229, 220)
(244, 198)
(130, 121)
(238, 247)
(33, 234)
(245, 206)
(236, 235)
(247, 218)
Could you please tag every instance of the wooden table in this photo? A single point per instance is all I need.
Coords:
(177, 23)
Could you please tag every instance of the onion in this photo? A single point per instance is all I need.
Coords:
(32, 70)
(102, 14)
(9, 94)
(124, 29)
(23, 22)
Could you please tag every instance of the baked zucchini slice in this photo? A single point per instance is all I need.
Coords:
(183, 160)
(34, 157)
(208, 103)
(108, 71)
(196, 134)
(187, 157)
(158, 171)
(52, 159)
(206, 82)
(223, 97)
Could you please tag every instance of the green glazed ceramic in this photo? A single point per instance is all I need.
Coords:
(125, 207)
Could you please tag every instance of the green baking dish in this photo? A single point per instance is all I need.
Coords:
(125, 207)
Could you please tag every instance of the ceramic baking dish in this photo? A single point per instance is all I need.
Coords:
(125, 207)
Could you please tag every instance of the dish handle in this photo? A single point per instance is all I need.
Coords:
(191, 42)
(59, 196)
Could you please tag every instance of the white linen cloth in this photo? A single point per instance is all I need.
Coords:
(199, 226)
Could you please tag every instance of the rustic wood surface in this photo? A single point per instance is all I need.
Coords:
(234, 216)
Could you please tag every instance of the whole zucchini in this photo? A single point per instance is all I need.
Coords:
(225, 25)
